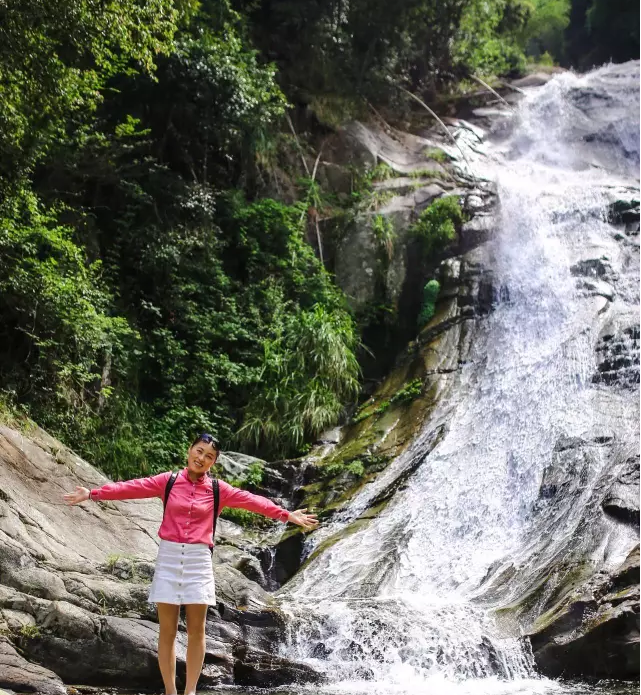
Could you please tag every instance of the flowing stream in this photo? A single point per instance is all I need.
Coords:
(403, 604)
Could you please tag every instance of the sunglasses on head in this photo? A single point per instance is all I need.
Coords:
(208, 439)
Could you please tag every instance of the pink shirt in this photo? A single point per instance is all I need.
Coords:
(190, 510)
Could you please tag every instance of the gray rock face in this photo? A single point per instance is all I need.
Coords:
(74, 584)
(16, 673)
(596, 632)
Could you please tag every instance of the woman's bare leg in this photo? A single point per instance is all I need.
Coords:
(196, 614)
(168, 615)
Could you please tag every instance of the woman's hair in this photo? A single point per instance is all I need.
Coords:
(208, 439)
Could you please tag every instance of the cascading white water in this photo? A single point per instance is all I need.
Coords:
(398, 605)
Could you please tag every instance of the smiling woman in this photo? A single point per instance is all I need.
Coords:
(184, 572)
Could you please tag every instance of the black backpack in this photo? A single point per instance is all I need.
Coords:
(215, 489)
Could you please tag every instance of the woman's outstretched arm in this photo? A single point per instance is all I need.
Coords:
(234, 497)
(136, 489)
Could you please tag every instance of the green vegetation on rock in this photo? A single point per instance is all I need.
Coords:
(428, 307)
(245, 519)
(436, 225)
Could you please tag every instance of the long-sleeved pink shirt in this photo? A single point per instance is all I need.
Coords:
(189, 512)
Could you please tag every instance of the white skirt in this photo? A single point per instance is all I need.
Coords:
(183, 574)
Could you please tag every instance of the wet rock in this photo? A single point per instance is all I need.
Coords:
(266, 670)
(593, 267)
(288, 554)
(536, 79)
(622, 501)
(244, 562)
(477, 231)
(618, 357)
(595, 633)
(623, 212)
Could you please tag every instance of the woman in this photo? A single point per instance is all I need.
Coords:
(184, 574)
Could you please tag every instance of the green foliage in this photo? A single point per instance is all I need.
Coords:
(543, 33)
(147, 292)
(436, 225)
(56, 58)
(381, 172)
(213, 97)
(356, 468)
(308, 369)
(436, 154)
(482, 47)
(56, 332)
(364, 48)
(430, 295)
(602, 30)
(253, 476)
(30, 631)
(331, 470)
(409, 392)
(244, 518)
(383, 229)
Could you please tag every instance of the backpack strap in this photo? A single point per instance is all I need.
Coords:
(216, 490)
(170, 483)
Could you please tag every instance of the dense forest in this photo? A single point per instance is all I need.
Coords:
(156, 276)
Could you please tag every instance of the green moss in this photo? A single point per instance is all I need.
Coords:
(426, 174)
(406, 394)
(409, 392)
(436, 154)
(339, 479)
(552, 590)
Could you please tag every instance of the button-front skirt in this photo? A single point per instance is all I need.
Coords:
(183, 574)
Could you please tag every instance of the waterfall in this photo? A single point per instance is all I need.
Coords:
(406, 603)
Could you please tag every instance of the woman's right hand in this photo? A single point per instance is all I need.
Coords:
(80, 495)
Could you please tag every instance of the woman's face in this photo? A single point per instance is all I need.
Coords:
(201, 457)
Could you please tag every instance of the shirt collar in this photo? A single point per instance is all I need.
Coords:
(199, 481)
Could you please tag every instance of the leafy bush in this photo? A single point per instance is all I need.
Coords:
(244, 518)
(56, 333)
(308, 370)
(253, 476)
(436, 225)
(430, 295)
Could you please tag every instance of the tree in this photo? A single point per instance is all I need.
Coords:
(55, 59)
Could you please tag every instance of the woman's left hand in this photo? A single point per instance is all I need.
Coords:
(300, 517)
